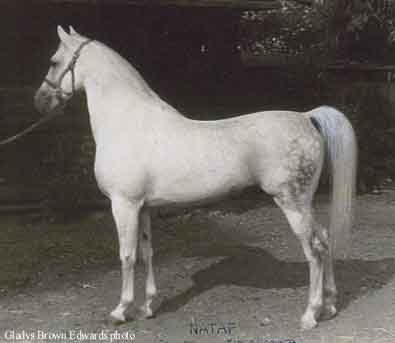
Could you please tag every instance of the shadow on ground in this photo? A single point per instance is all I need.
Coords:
(254, 267)
(54, 254)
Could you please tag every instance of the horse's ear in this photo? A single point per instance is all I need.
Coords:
(63, 35)
(72, 31)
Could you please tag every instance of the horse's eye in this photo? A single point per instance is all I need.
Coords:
(53, 63)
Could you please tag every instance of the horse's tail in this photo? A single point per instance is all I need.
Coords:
(341, 147)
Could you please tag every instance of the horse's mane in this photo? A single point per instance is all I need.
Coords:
(122, 72)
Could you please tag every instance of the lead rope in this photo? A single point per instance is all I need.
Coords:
(29, 129)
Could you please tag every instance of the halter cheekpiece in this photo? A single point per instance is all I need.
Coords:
(57, 86)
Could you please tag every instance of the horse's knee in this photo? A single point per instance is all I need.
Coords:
(128, 260)
(145, 236)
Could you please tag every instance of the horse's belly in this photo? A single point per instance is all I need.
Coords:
(198, 183)
(179, 195)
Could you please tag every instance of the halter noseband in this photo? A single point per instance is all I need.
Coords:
(57, 86)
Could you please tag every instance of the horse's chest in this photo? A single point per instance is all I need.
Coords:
(119, 173)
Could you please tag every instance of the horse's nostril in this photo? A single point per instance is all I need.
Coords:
(41, 101)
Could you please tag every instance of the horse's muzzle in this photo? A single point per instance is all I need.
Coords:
(46, 101)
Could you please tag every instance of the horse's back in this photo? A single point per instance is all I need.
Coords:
(203, 158)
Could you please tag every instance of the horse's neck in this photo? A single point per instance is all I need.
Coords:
(119, 100)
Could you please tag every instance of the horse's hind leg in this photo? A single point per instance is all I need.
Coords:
(146, 252)
(126, 216)
(330, 291)
(314, 242)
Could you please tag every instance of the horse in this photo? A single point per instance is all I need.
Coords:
(148, 155)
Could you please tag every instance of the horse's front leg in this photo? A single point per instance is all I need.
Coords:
(146, 252)
(126, 216)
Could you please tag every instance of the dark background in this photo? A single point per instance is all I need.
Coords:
(162, 41)
(191, 57)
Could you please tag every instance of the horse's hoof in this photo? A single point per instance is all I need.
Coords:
(328, 312)
(117, 318)
(308, 323)
(146, 312)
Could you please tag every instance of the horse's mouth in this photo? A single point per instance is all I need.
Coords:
(46, 103)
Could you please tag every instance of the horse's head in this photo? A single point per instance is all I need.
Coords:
(65, 74)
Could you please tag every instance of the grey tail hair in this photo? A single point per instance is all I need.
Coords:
(341, 154)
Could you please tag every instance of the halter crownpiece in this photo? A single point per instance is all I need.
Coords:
(57, 86)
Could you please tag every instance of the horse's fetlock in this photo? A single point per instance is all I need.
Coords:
(126, 300)
(330, 294)
(151, 291)
(317, 303)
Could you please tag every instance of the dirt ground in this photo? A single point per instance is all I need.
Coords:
(232, 272)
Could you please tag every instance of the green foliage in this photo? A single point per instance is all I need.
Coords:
(293, 29)
(351, 30)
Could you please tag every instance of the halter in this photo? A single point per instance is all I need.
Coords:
(59, 93)
(57, 86)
